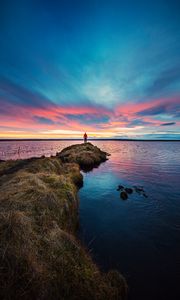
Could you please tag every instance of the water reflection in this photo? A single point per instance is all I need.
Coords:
(140, 236)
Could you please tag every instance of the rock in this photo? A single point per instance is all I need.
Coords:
(139, 189)
(124, 195)
(129, 190)
(86, 155)
(120, 188)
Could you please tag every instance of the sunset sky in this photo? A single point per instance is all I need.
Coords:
(111, 68)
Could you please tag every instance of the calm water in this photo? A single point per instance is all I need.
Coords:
(139, 236)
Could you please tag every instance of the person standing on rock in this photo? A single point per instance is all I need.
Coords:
(85, 137)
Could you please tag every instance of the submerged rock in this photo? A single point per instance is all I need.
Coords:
(129, 190)
(125, 191)
(120, 188)
(124, 195)
(139, 189)
(86, 155)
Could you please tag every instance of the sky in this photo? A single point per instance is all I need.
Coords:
(110, 68)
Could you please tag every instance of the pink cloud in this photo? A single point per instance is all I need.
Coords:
(124, 115)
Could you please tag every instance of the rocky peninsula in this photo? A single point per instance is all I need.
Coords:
(40, 256)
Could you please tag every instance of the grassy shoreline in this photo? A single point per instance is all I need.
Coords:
(40, 255)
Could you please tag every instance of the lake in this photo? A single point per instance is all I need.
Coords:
(139, 236)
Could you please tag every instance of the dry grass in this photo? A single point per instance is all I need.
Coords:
(86, 155)
(40, 256)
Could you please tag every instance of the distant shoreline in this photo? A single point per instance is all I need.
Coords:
(123, 140)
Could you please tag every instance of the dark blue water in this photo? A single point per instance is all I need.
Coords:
(140, 236)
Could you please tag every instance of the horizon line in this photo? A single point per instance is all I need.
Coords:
(90, 139)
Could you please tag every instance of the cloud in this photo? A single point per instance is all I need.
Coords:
(169, 106)
(35, 113)
(164, 80)
(139, 122)
(168, 124)
(17, 94)
(43, 120)
(154, 110)
(89, 118)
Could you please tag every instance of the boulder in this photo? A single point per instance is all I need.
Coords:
(124, 195)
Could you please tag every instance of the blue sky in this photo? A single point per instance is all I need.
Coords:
(110, 68)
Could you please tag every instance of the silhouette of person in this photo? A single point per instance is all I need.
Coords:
(85, 137)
